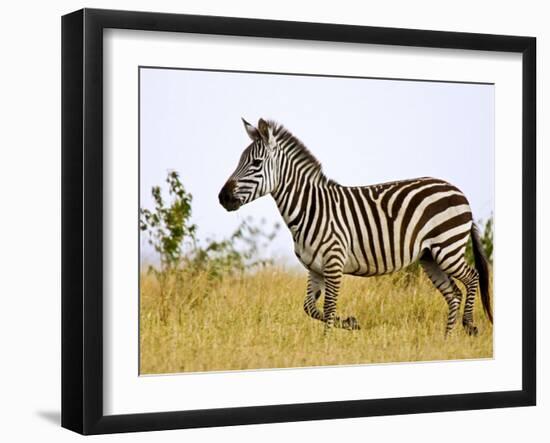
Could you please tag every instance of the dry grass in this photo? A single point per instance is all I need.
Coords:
(257, 321)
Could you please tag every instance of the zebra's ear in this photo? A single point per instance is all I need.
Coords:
(251, 130)
(266, 132)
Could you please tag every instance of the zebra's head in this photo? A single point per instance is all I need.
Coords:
(256, 174)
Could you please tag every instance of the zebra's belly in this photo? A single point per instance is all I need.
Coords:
(353, 265)
(356, 264)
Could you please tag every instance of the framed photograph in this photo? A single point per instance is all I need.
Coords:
(269, 221)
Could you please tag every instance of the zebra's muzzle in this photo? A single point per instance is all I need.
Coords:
(227, 198)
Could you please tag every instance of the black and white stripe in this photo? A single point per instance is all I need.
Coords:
(364, 231)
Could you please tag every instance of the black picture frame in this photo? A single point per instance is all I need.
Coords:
(82, 219)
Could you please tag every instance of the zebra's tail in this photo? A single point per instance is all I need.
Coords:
(482, 267)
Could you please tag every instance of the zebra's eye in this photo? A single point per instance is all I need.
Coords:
(256, 162)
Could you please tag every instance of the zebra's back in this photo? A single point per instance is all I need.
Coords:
(389, 225)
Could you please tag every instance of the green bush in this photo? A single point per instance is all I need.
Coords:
(169, 226)
(239, 252)
(182, 257)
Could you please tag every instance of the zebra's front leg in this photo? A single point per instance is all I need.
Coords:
(333, 279)
(314, 288)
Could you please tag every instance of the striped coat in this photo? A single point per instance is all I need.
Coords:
(363, 231)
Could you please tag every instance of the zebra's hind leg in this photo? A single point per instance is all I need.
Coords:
(445, 284)
(470, 278)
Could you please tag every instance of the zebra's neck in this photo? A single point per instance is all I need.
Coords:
(300, 177)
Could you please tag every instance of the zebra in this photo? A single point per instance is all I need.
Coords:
(362, 231)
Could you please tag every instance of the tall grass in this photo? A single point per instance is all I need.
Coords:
(256, 320)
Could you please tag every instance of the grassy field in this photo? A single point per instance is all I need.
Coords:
(257, 321)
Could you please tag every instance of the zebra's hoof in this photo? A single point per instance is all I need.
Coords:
(351, 324)
(471, 330)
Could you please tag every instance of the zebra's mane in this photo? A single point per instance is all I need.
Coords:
(291, 142)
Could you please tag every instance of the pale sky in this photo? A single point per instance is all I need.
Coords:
(364, 131)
